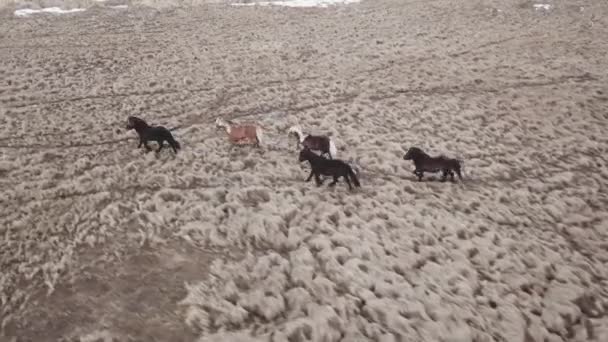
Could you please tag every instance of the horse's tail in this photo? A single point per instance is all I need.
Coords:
(259, 135)
(332, 149)
(353, 176)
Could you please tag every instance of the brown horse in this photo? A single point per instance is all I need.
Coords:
(146, 133)
(321, 143)
(425, 163)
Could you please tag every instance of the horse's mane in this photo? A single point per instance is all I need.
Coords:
(418, 151)
(294, 129)
(297, 130)
(135, 121)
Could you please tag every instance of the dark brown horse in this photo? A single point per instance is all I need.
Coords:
(147, 133)
(320, 166)
(425, 163)
(321, 143)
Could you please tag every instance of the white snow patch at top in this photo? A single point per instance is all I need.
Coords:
(546, 7)
(298, 3)
(119, 6)
(54, 10)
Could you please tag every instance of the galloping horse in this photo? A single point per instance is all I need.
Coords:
(425, 163)
(153, 133)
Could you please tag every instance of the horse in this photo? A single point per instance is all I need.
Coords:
(321, 166)
(241, 134)
(321, 143)
(151, 133)
(425, 163)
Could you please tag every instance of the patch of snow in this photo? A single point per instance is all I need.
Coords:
(120, 7)
(54, 10)
(298, 3)
(545, 7)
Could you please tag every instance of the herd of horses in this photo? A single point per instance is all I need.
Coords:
(322, 164)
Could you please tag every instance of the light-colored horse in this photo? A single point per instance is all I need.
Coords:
(242, 134)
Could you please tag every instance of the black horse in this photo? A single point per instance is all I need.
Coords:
(425, 163)
(151, 133)
(321, 166)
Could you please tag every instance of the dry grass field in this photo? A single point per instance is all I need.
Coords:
(100, 241)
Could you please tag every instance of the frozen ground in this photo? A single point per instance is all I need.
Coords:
(296, 3)
(99, 240)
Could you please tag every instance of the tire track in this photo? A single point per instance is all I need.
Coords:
(471, 88)
(466, 88)
(160, 92)
(111, 95)
(44, 134)
(76, 145)
(267, 83)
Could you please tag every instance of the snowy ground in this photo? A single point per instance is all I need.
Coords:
(99, 240)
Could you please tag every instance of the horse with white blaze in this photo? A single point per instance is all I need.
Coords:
(321, 143)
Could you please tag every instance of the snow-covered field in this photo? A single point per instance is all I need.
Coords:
(296, 3)
(100, 241)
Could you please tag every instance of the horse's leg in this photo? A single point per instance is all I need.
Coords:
(148, 148)
(335, 181)
(444, 175)
(310, 176)
(318, 180)
(451, 175)
(419, 174)
(141, 142)
(350, 187)
(160, 145)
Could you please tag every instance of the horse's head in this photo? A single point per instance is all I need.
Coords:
(132, 121)
(304, 155)
(294, 130)
(412, 153)
(297, 132)
(220, 123)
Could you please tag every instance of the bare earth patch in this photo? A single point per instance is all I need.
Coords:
(133, 298)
